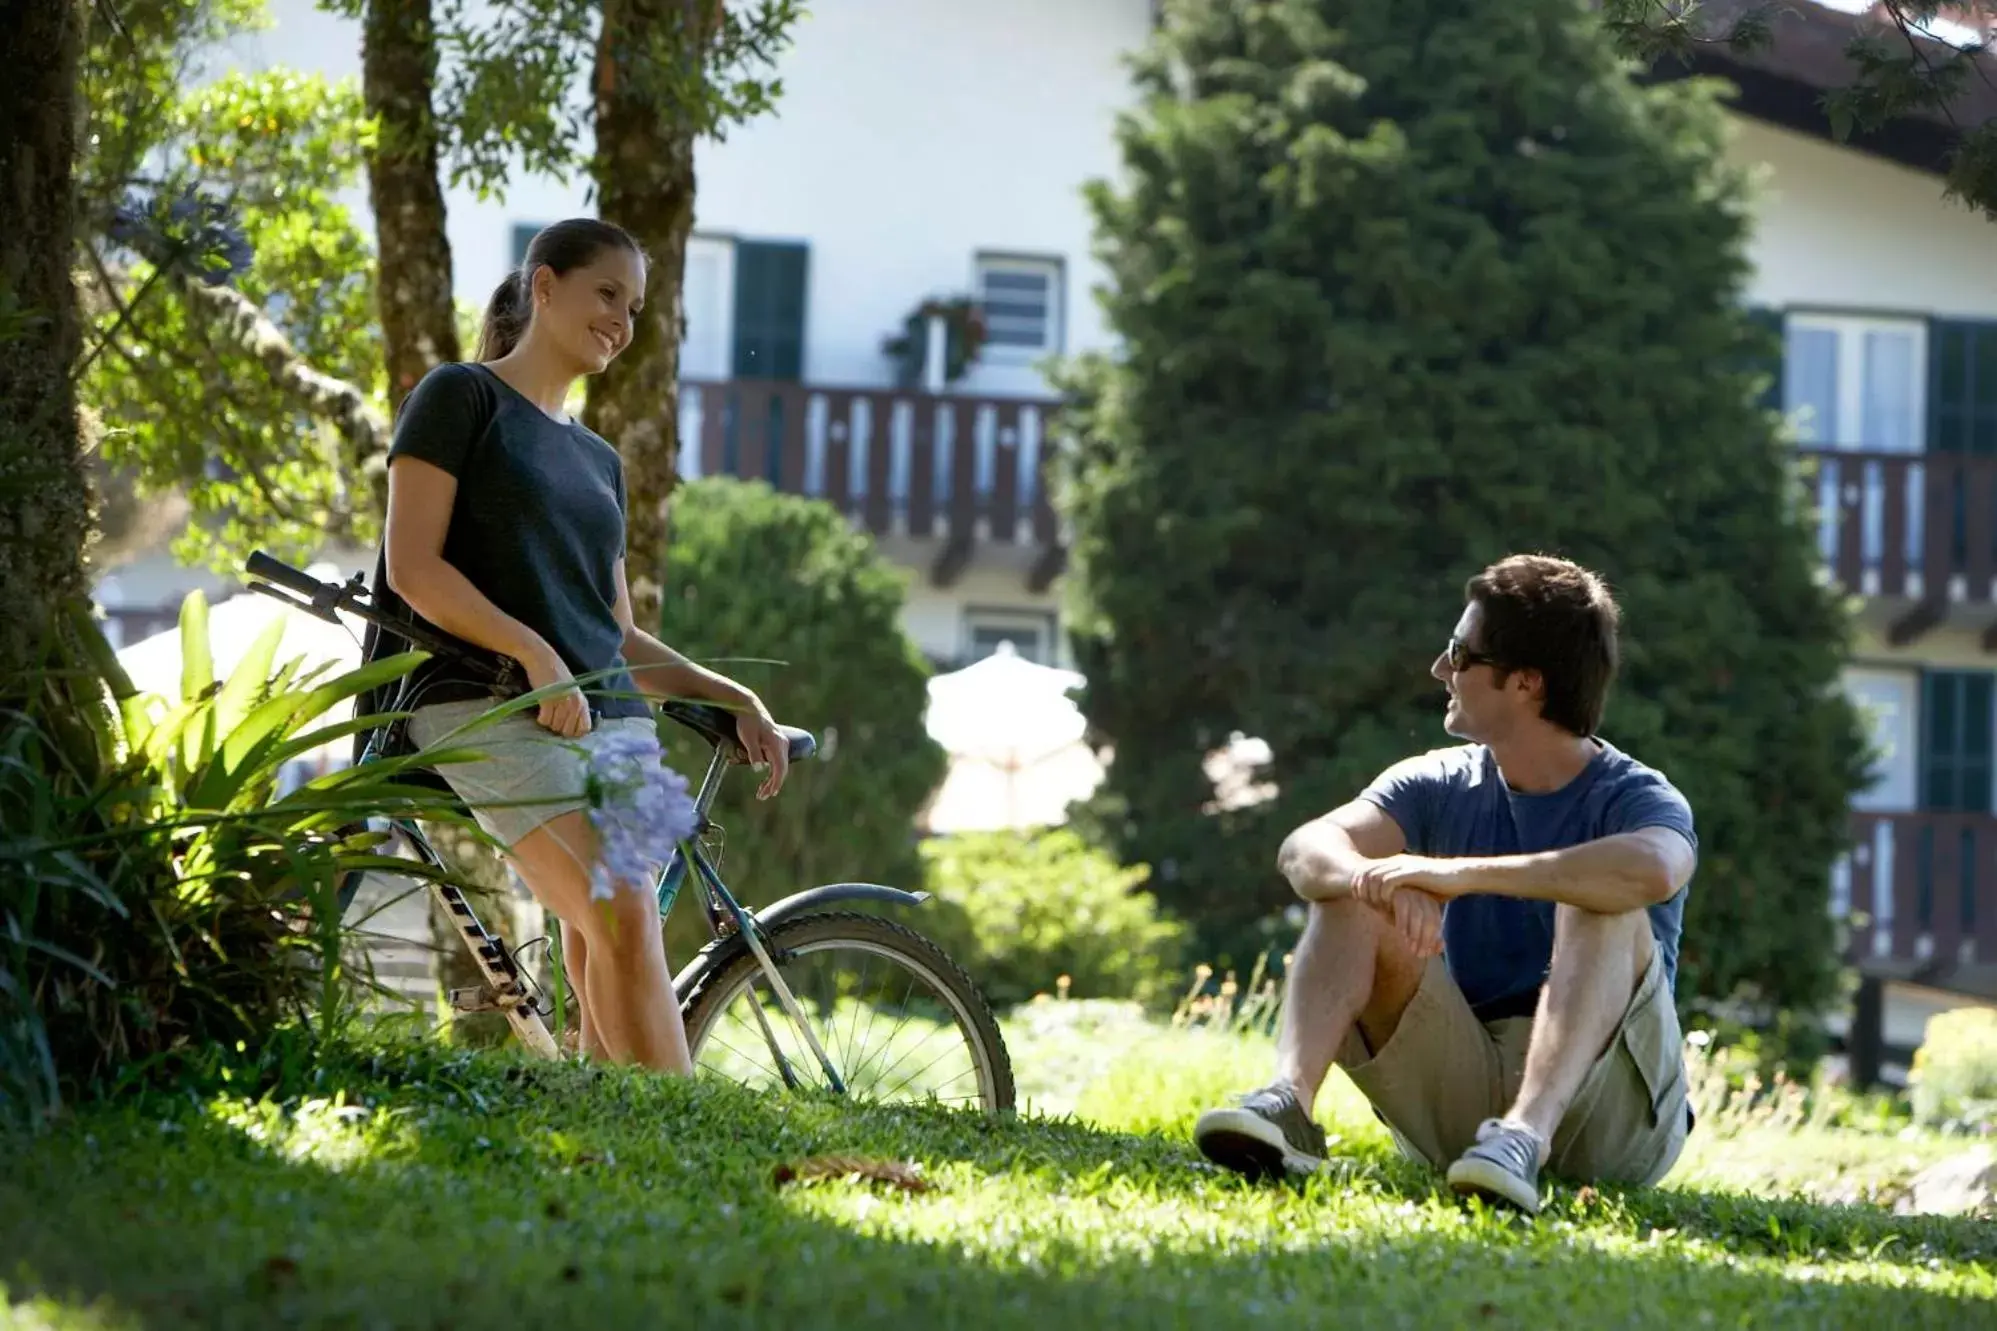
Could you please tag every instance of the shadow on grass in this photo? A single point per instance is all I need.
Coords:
(468, 1192)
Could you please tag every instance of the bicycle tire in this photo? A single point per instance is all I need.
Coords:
(736, 966)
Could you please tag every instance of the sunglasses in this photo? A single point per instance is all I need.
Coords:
(1461, 658)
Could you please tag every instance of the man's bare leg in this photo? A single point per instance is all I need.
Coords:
(1351, 965)
(1597, 963)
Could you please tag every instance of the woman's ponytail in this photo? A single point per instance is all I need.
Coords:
(505, 318)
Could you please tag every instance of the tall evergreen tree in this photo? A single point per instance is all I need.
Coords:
(1401, 289)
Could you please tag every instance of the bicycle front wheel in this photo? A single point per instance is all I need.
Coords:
(896, 1018)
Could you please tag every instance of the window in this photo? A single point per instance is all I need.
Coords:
(1031, 633)
(523, 236)
(707, 295)
(1851, 383)
(1956, 723)
(1857, 383)
(1022, 304)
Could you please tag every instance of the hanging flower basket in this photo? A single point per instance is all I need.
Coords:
(964, 337)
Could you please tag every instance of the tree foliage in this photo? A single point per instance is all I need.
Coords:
(781, 593)
(233, 394)
(1399, 290)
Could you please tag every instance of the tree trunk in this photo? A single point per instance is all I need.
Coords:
(44, 491)
(644, 183)
(413, 287)
(419, 331)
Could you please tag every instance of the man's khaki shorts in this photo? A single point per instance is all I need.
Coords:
(1443, 1072)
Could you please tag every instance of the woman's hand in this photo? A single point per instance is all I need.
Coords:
(764, 745)
(567, 712)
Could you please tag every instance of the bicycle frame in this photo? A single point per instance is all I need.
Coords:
(726, 917)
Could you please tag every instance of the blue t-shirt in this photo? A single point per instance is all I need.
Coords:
(1453, 801)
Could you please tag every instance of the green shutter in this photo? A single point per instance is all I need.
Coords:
(1769, 319)
(523, 236)
(1956, 730)
(769, 310)
(1962, 386)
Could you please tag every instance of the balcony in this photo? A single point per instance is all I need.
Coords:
(1917, 531)
(958, 471)
(1919, 891)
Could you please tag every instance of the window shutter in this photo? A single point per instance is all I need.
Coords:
(1956, 758)
(523, 236)
(769, 310)
(1769, 317)
(1962, 386)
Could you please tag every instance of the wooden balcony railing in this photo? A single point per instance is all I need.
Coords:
(962, 470)
(1916, 527)
(1920, 891)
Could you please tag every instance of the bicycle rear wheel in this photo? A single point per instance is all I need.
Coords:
(898, 1020)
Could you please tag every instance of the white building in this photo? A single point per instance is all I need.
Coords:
(936, 147)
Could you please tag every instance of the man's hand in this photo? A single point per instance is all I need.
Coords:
(1376, 881)
(1418, 917)
(764, 745)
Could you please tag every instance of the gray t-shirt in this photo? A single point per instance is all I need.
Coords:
(1453, 801)
(537, 524)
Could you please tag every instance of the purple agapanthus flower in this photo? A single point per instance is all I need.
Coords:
(186, 232)
(640, 807)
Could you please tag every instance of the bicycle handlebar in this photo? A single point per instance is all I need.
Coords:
(261, 565)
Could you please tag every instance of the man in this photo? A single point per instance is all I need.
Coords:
(1492, 947)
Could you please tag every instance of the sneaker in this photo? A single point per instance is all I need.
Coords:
(1502, 1166)
(1266, 1133)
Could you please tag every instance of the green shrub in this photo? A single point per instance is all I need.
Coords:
(781, 593)
(1020, 911)
(1953, 1082)
(156, 899)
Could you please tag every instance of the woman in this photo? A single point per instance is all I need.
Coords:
(506, 529)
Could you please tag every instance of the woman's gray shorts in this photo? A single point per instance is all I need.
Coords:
(524, 760)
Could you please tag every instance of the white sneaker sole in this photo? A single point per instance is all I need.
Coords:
(1482, 1178)
(1250, 1144)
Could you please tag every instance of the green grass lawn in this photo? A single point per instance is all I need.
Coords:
(426, 1187)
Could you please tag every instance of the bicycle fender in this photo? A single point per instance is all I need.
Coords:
(776, 913)
(812, 898)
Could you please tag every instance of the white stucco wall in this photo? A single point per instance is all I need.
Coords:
(1840, 229)
(911, 135)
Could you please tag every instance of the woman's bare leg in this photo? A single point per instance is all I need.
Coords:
(575, 961)
(627, 991)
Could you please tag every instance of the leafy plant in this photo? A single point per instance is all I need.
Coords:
(1954, 1078)
(156, 894)
(1041, 912)
(964, 333)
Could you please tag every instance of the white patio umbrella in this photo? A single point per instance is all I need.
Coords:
(1015, 740)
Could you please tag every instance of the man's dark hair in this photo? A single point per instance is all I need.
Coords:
(1551, 615)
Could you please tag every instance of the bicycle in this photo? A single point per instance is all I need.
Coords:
(747, 945)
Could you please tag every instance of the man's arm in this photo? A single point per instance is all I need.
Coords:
(1612, 874)
(1321, 858)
